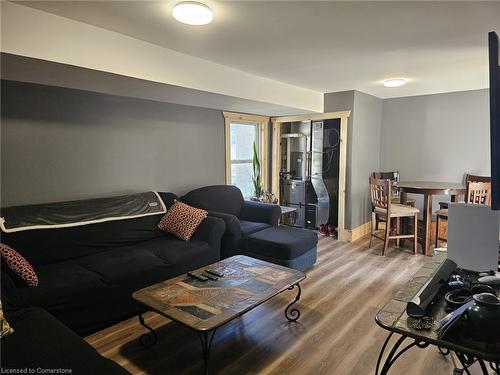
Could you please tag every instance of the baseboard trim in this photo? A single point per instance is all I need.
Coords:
(359, 232)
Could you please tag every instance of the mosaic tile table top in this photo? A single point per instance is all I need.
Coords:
(206, 305)
(393, 316)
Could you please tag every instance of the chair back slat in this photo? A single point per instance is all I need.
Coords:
(393, 176)
(479, 193)
(380, 193)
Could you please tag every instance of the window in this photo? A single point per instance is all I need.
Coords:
(241, 133)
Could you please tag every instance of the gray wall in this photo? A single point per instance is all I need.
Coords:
(363, 149)
(436, 137)
(61, 144)
(428, 138)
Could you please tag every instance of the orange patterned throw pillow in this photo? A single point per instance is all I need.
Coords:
(19, 265)
(182, 220)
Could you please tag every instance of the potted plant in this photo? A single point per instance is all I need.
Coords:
(257, 177)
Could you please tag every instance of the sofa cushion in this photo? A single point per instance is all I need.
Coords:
(47, 246)
(101, 284)
(151, 260)
(281, 242)
(167, 198)
(41, 341)
(19, 265)
(221, 198)
(61, 283)
(182, 220)
(249, 227)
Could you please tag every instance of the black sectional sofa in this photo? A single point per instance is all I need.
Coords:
(242, 217)
(87, 275)
(40, 342)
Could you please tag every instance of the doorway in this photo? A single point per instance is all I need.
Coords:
(309, 167)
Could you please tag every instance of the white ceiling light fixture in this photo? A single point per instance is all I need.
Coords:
(395, 82)
(192, 13)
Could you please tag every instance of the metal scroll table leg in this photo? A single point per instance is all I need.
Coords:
(483, 366)
(293, 314)
(467, 361)
(206, 338)
(381, 354)
(394, 354)
(495, 367)
(147, 339)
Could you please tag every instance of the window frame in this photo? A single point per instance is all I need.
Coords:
(263, 133)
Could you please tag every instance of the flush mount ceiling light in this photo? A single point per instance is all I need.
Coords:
(192, 13)
(396, 82)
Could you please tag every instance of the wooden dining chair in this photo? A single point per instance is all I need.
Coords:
(478, 192)
(394, 176)
(380, 195)
(395, 194)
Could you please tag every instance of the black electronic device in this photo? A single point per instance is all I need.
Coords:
(197, 276)
(214, 272)
(494, 69)
(419, 306)
(457, 298)
(456, 282)
(210, 276)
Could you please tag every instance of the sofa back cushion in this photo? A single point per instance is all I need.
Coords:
(221, 198)
(45, 246)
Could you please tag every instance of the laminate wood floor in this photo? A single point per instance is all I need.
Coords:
(336, 333)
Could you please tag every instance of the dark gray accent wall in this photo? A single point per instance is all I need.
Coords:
(363, 149)
(62, 144)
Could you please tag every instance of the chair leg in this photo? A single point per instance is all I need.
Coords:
(437, 232)
(373, 227)
(415, 234)
(398, 231)
(387, 234)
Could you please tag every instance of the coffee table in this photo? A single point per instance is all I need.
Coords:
(204, 306)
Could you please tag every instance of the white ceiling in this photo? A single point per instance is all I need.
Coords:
(324, 46)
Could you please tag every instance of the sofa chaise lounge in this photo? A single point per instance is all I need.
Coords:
(252, 228)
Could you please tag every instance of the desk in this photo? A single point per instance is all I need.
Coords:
(428, 189)
(393, 318)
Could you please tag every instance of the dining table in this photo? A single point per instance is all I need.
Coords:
(428, 189)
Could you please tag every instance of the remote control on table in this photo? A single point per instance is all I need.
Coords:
(197, 276)
(210, 276)
(214, 272)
